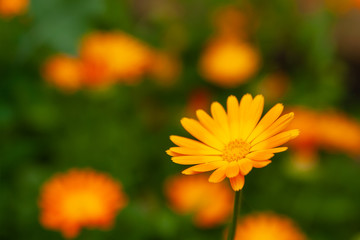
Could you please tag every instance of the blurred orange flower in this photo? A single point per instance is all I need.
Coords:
(164, 68)
(80, 198)
(232, 143)
(113, 56)
(10, 8)
(268, 226)
(64, 72)
(325, 130)
(229, 61)
(211, 204)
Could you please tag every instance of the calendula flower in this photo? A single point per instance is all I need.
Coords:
(80, 198)
(326, 130)
(10, 8)
(113, 56)
(232, 142)
(64, 72)
(268, 226)
(229, 61)
(209, 203)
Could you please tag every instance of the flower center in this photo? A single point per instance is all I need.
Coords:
(235, 150)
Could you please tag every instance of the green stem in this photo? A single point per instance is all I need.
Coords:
(237, 203)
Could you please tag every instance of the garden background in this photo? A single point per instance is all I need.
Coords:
(306, 55)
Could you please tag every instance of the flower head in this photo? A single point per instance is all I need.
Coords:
(326, 130)
(64, 72)
(113, 56)
(229, 62)
(267, 226)
(10, 8)
(232, 142)
(80, 198)
(210, 203)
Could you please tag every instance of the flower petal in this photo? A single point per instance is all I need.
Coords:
(212, 126)
(218, 175)
(191, 160)
(189, 143)
(237, 183)
(254, 115)
(260, 164)
(232, 169)
(203, 167)
(276, 140)
(199, 132)
(275, 128)
(171, 153)
(194, 151)
(244, 108)
(233, 116)
(219, 115)
(260, 155)
(266, 121)
(277, 150)
(245, 166)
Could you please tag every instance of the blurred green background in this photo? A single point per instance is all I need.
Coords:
(124, 130)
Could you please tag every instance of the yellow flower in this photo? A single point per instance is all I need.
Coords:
(10, 8)
(113, 56)
(232, 143)
(229, 62)
(326, 130)
(64, 72)
(210, 204)
(267, 226)
(80, 198)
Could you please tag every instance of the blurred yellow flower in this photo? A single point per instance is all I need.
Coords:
(80, 198)
(326, 130)
(113, 56)
(232, 143)
(229, 61)
(164, 68)
(10, 8)
(267, 226)
(64, 72)
(211, 204)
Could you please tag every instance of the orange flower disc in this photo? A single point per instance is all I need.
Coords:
(232, 142)
(80, 198)
(210, 204)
